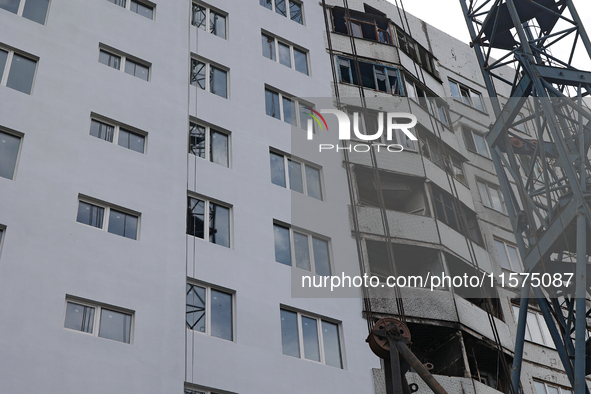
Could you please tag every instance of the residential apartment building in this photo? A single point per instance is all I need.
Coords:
(153, 214)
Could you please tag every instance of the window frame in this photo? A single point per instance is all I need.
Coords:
(430, 103)
(208, 307)
(310, 240)
(560, 389)
(287, 158)
(460, 211)
(21, 137)
(107, 208)
(469, 130)
(319, 319)
(8, 65)
(145, 3)
(506, 246)
(21, 8)
(418, 53)
(488, 186)
(206, 206)
(208, 69)
(297, 110)
(449, 160)
(117, 126)
(390, 89)
(467, 99)
(98, 307)
(288, 9)
(123, 61)
(292, 49)
(209, 128)
(540, 322)
(208, 10)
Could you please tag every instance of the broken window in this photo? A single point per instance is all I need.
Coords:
(409, 260)
(400, 193)
(373, 76)
(369, 25)
(441, 155)
(416, 52)
(486, 365)
(455, 214)
(428, 101)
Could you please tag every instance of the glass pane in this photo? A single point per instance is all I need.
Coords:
(198, 18)
(539, 387)
(356, 28)
(219, 148)
(217, 24)
(219, 225)
(455, 90)
(122, 224)
(477, 101)
(79, 317)
(3, 57)
(277, 170)
(295, 12)
(118, 2)
(136, 69)
(344, 70)
(302, 251)
(503, 258)
(195, 308)
(495, 196)
(101, 130)
(109, 59)
(332, 344)
(268, 46)
(282, 245)
(553, 390)
(10, 5)
(284, 55)
(197, 140)
(295, 176)
(280, 7)
(142, 9)
(289, 111)
(22, 72)
(321, 260)
(218, 83)
(380, 78)
(304, 117)
(9, 146)
(90, 214)
(483, 189)
(115, 325)
(195, 217)
(289, 333)
(480, 144)
(35, 10)
(131, 140)
(514, 258)
(534, 328)
(266, 3)
(221, 315)
(546, 332)
(197, 73)
(313, 182)
(301, 61)
(466, 96)
(310, 337)
(272, 104)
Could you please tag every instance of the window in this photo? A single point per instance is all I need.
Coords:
(17, 71)
(299, 249)
(286, 54)
(207, 19)
(197, 390)
(362, 25)
(508, 256)
(209, 143)
(9, 148)
(142, 8)
(456, 215)
(209, 77)
(416, 52)
(475, 142)
(547, 388)
(287, 108)
(112, 131)
(536, 329)
(288, 8)
(99, 320)
(434, 105)
(215, 226)
(441, 155)
(312, 338)
(35, 10)
(103, 216)
(137, 68)
(373, 76)
(210, 311)
(491, 196)
(302, 177)
(466, 95)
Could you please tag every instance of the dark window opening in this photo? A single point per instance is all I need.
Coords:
(456, 215)
(373, 76)
(416, 52)
(369, 25)
(441, 155)
(486, 365)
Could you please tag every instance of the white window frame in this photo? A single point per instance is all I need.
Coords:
(208, 10)
(506, 246)
(206, 202)
(145, 3)
(561, 390)
(124, 57)
(287, 7)
(433, 103)
(208, 288)
(310, 237)
(7, 66)
(116, 129)
(468, 100)
(21, 136)
(303, 164)
(319, 320)
(208, 129)
(208, 66)
(21, 8)
(107, 213)
(488, 186)
(540, 322)
(295, 100)
(471, 131)
(98, 306)
(292, 47)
